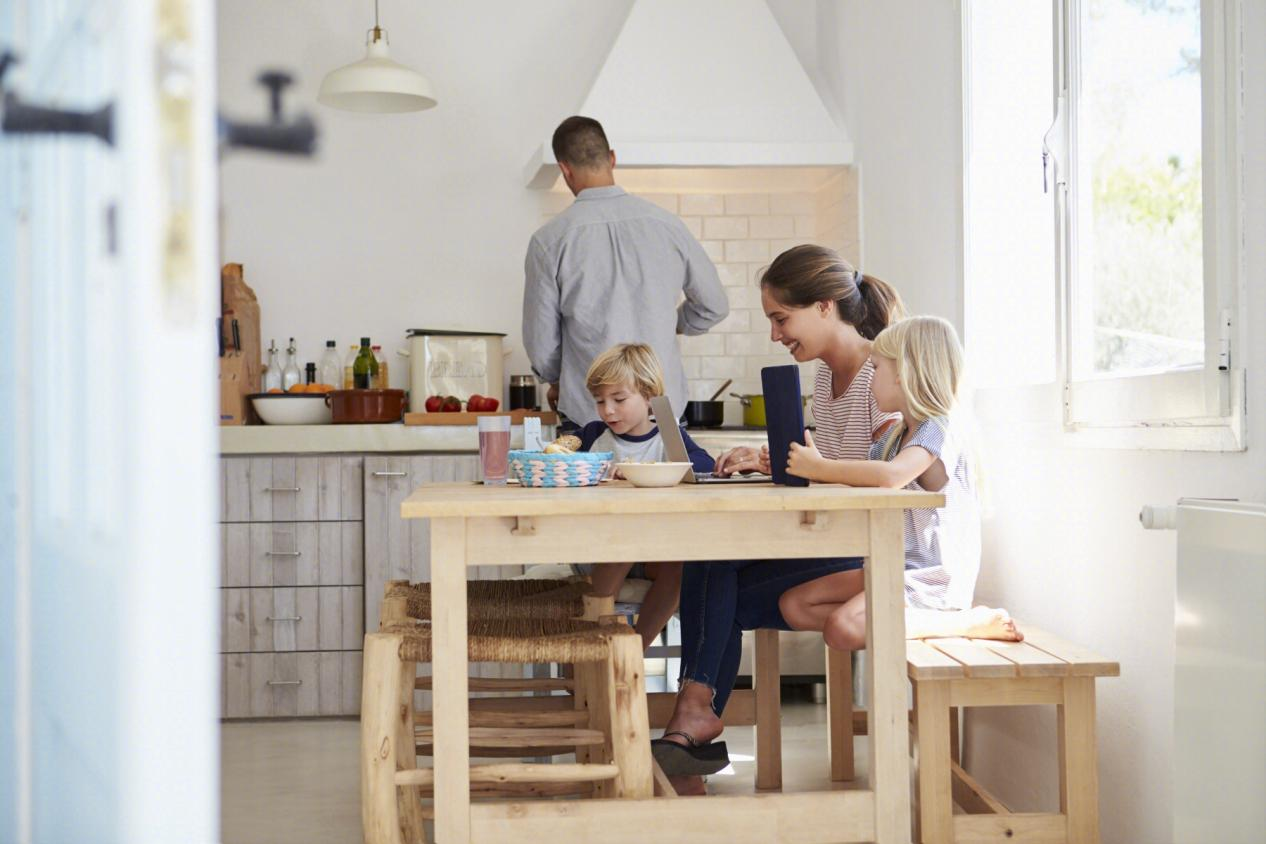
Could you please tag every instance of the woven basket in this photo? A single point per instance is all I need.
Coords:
(536, 468)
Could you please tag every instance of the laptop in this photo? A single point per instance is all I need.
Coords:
(784, 419)
(675, 449)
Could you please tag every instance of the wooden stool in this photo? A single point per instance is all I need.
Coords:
(607, 725)
(1043, 669)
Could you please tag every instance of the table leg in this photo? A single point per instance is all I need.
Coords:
(936, 804)
(1078, 760)
(889, 744)
(449, 689)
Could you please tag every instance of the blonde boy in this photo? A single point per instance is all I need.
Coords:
(622, 381)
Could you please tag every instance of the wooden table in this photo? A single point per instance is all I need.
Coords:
(475, 525)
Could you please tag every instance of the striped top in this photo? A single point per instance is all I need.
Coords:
(846, 424)
(942, 544)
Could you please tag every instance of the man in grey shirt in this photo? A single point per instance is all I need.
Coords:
(610, 269)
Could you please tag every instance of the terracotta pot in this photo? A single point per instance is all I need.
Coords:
(364, 406)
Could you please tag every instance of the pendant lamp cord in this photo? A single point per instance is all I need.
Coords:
(377, 28)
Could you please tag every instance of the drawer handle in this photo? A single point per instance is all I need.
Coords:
(284, 618)
(390, 474)
(285, 683)
(281, 489)
(282, 553)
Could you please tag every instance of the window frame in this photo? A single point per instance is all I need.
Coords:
(1194, 408)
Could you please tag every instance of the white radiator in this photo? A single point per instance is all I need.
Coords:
(1219, 671)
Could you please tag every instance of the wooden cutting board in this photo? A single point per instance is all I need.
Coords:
(547, 417)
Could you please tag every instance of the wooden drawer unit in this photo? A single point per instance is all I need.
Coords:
(303, 618)
(292, 554)
(292, 574)
(291, 489)
(288, 685)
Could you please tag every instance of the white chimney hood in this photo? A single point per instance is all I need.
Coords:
(705, 83)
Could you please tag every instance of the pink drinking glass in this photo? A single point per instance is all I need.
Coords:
(494, 447)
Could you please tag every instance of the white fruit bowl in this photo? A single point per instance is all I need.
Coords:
(653, 474)
(292, 408)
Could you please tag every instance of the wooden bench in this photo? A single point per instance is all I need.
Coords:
(1043, 669)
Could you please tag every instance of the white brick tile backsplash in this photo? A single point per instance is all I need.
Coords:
(733, 275)
(806, 225)
(747, 203)
(736, 323)
(771, 226)
(703, 344)
(725, 228)
(667, 201)
(777, 247)
(715, 249)
(747, 250)
(716, 367)
(750, 344)
(701, 204)
(747, 296)
(694, 225)
(792, 203)
(691, 365)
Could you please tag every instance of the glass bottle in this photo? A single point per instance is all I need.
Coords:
(349, 381)
(331, 367)
(290, 375)
(365, 369)
(309, 373)
(380, 381)
(272, 375)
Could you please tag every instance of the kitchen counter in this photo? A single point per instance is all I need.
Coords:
(312, 439)
(327, 439)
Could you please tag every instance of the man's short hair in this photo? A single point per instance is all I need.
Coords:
(580, 142)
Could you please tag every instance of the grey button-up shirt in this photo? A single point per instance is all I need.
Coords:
(611, 269)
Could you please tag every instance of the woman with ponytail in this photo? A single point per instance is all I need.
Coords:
(820, 308)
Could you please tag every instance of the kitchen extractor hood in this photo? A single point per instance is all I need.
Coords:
(705, 83)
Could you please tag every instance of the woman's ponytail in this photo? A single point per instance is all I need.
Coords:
(880, 306)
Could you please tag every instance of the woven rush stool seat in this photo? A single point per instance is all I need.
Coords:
(560, 599)
(517, 639)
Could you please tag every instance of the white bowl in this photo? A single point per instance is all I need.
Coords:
(653, 474)
(292, 409)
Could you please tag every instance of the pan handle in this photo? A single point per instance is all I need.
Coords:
(747, 402)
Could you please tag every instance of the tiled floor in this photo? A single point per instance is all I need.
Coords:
(298, 781)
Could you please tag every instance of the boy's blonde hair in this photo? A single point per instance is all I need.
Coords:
(929, 363)
(627, 363)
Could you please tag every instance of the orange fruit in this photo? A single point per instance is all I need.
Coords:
(299, 388)
(276, 390)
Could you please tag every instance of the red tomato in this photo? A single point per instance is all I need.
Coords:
(491, 404)
(452, 404)
(433, 404)
(475, 403)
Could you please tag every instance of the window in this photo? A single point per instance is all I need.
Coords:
(1140, 247)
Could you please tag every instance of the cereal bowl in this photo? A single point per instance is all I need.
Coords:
(653, 474)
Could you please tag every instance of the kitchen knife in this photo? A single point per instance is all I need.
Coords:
(219, 334)
(237, 339)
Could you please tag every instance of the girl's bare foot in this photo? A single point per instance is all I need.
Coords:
(988, 623)
(688, 786)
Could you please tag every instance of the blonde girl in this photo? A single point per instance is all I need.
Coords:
(918, 370)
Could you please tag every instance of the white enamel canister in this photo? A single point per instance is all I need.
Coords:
(454, 363)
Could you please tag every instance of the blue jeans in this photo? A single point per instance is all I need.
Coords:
(720, 600)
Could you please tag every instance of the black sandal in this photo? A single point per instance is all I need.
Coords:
(690, 759)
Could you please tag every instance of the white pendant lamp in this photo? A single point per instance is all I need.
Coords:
(376, 83)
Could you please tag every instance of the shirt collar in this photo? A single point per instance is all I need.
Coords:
(628, 438)
(604, 192)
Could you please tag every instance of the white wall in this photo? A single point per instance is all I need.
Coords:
(401, 221)
(1063, 547)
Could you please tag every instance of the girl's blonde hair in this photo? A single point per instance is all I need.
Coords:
(929, 363)
(627, 363)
